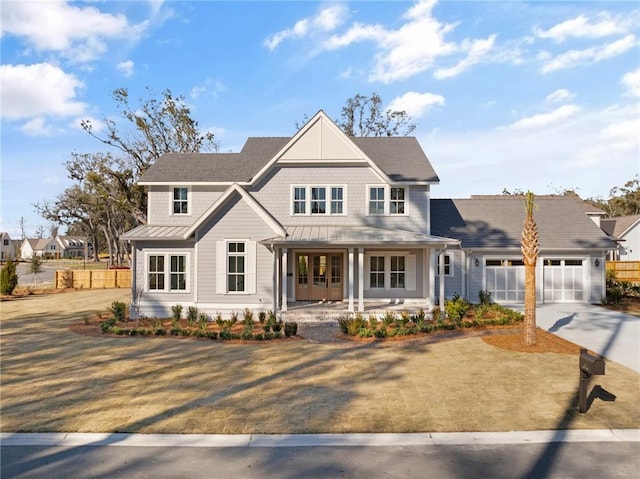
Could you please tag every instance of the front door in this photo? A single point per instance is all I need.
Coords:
(319, 277)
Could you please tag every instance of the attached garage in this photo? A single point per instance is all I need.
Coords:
(505, 279)
(563, 280)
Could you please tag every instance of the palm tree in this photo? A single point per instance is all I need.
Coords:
(530, 247)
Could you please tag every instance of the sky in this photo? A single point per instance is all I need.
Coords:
(538, 95)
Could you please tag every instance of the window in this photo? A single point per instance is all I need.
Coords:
(178, 273)
(337, 200)
(447, 265)
(397, 272)
(236, 256)
(318, 200)
(376, 201)
(5, 242)
(156, 273)
(180, 201)
(299, 200)
(159, 277)
(376, 272)
(396, 204)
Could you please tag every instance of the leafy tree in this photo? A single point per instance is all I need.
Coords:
(625, 200)
(8, 277)
(35, 267)
(530, 248)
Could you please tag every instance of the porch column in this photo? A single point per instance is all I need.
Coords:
(432, 277)
(283, 281)
(351, 280)
(274, 278)
(360, 279)
(441, 279)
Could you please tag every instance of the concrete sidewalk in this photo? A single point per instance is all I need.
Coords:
(612, 334)
(318, 440)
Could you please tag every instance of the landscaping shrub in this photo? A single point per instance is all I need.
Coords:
(192, 315)
(484, 297)
(8, 277)
(176, 312)
(456, 308)
(247, 316)
(290, 328)
(118, 309)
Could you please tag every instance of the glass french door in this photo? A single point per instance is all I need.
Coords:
(319, 277)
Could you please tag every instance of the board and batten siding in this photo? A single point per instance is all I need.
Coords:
(160, 201)
(235, 220)
(274, 193)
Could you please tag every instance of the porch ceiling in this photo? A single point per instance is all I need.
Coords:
(355, 235)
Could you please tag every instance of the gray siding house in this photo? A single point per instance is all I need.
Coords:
(319, 217)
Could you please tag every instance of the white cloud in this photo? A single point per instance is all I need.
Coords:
(126, 68)
(37, 127)
(476, 51)
(559, 96)
(39, 89)
(574, 58)
(213, 87)
(416, 104)
(326, 20)
(575, 154)
(631, 82)
(601, 26)
(77, 32)
(545, 119)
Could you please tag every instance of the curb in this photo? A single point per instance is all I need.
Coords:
(63, 439)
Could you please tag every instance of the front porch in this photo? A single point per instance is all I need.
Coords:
(331, 311)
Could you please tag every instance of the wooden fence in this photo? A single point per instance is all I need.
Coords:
(625, 270)
(93, 279)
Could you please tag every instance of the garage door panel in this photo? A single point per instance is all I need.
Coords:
(563, 280)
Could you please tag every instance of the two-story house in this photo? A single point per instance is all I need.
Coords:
(319, 217)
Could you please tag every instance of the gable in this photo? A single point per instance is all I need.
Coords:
(321, 140)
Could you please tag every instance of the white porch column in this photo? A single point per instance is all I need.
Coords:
(432, 277)
(283, 281)
(441, 279)
(351, 273)
(360, 279)
(274, 278)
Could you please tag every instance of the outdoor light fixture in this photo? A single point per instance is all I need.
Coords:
(597, 263)
(477, 262)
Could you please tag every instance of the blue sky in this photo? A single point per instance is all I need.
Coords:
(539, 95)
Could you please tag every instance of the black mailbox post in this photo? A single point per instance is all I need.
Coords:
(589, 365)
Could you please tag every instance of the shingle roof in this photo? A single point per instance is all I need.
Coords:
(619, 225)
(496, 222)
(401, 158)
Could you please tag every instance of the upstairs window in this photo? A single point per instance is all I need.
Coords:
(396, 204)
(337, 200)
(318, 200)
(299, 200)
(376, 201)
(180, 201)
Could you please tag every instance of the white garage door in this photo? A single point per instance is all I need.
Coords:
(563, 280)
(505, 280)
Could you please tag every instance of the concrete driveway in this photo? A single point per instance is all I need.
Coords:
(611, 334)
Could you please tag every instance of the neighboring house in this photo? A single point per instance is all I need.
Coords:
(7, 247)
(626, 230)
(44, 247)
(321, 217)
(73, 246)
(571, 263)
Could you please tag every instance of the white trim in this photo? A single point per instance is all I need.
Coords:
(189, 200)
(253, 204)
(410, 268)
(167, 271)
(307, 199)
(451, 268)
(387, 199)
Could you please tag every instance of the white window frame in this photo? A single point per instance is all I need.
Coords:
(448, 265)
(250, 267)
(172, 200)
(167, 271)
(236, 254)
(410, 270)
(398, 271)
(387, 199)
(377, 272)
(328, 190)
